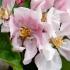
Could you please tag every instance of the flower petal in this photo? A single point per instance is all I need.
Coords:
(17, 46)
(65, 27)
(12, 26)
(31, 50)
(43, 64)
(65, 50)
(43, 4)
(8, 4)
(5, 27)
(60, 4)
(28, 18)
(35, 3)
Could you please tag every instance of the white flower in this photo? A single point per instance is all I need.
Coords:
(58, 37)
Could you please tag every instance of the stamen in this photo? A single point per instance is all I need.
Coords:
(24, 32)
(4, 14)
(57, 42)
(44, 17)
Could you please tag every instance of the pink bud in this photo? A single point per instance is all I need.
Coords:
(20, 2)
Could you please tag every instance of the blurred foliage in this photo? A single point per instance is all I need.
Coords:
(6, 53)
(65, 64)
(0, 2)
(27, 3)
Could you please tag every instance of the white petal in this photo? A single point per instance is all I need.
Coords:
(50, 28)
(65, 50)
(65, 28)
(5, 27)
(12, 26)
(8, 4)
(48, 51)
(17, 44)
(43, 64)
(31, 50)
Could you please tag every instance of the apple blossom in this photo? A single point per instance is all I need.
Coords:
(5, 12)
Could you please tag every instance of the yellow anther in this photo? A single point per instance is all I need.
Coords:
(58, 41)
(24, 32)
(44, 17)
(4, 14)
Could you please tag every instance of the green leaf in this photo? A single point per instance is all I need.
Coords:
(27, 3)
(65, 64)
(7, 55)
(0, 2)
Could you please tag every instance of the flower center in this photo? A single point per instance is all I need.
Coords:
(44, 17)
(57, 42)
(24, 32)
(4, 14)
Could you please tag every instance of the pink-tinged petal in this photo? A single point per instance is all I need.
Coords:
(5, 27)
(28, 18)
(65, 50)
(35, 3)
(48, 4)
(12, 27)
(17, 44)
(68, 5)
(60, 4)
(65, 27)
(43, 4)
(31, 50)
(53, 18)
(43, 64)
(8, 4)
(48, 52)
(26, 13)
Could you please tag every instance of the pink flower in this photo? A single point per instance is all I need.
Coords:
(46, 4)
(26, 32)
(5, 12)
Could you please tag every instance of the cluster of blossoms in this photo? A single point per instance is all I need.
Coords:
(42, 31)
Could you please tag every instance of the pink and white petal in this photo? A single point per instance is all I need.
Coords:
(66, 31)
(65, 50)
(46, 48)
(65, 19)
(25, 12)
(48, 51)
(55, 18)
(60, 4)
(43, 4)
(50, 27)
(8, 4)
(35, 3)
(43, 64)
(65, 27)
(17, 44)
(12, 26)
(5, 27)
(31, 50)
(27, 17)
(48, 4)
